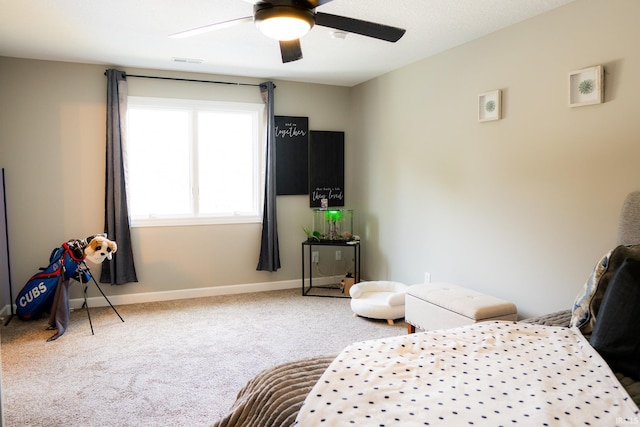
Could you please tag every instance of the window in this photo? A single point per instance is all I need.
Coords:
(193, 162)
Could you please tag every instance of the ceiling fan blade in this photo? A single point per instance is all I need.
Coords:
(210, 27)
(365, 28)
(290, 50)
(317, 3)
(311, 3)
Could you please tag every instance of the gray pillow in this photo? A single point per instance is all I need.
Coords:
(616, 334)
(587, 304)
(581, 312)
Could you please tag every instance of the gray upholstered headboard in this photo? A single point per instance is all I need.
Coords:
(629, 226)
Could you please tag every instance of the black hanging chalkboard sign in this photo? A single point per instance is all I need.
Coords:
(292, 148)
(326, 168)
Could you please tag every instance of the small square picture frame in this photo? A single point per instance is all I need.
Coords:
(586, 86)
(490, 106)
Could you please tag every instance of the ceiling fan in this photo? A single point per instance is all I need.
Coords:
(288, 20)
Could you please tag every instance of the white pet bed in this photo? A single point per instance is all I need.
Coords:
(378, 300)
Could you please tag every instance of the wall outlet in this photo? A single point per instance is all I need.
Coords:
(315, 257)
(427, 277)
(338, 255)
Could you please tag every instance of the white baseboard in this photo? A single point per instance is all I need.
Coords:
(138, 298)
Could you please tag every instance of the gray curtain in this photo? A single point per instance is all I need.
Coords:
(269, 251)
(120, 269)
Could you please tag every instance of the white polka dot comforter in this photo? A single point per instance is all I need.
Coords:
(486, 374)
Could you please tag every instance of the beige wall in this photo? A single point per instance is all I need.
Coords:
(523, 207)
(52, 133)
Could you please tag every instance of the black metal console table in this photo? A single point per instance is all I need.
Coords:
(341, 243)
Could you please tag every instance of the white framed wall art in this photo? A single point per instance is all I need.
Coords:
(489, 106)
(586, 86)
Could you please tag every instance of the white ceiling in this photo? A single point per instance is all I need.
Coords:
(134, 33)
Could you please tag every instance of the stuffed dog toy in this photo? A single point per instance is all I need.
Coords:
(99, 247)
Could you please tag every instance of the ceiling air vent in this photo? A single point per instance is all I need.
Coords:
(188, 60)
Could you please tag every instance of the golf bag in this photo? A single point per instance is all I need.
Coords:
(38, 293)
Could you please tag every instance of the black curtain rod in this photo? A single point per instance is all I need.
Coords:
(193, 80)
(190, 80)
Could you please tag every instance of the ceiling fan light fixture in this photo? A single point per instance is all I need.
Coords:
(283, 22)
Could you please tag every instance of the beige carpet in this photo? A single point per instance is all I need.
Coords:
(177, 363)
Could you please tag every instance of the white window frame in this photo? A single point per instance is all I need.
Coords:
(194, 106)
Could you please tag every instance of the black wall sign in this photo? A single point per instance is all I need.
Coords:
(292, 152)
(326, 168)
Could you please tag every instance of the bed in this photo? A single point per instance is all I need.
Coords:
(580, 366)
(275, 396)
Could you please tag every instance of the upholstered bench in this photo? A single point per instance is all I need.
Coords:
(444, 305)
